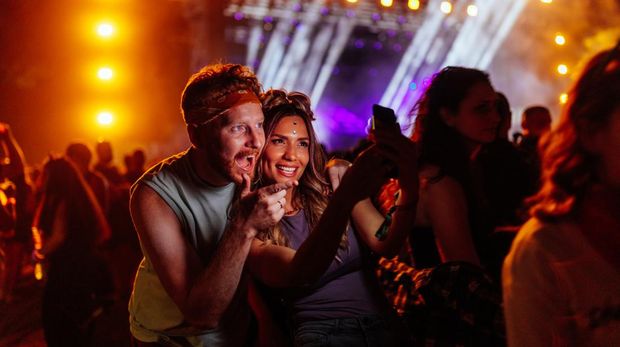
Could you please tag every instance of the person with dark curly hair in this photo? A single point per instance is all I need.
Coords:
(313, 259)
(189, 288)
(453, 119)
(448, 296)
(562, 277)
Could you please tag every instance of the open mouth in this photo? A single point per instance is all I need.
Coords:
(287, 171)
(245, 162)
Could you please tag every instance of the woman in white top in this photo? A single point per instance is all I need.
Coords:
(562, 277)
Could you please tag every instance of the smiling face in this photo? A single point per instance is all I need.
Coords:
(233, 145)
(286, 152)
(477, 119)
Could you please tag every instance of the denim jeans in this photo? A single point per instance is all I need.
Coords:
(369, 331)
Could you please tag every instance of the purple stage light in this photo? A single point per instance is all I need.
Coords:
(339, 120)
(238, 16)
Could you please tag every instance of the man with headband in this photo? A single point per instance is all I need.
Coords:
(190, 289)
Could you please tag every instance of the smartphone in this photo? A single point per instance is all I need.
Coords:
(385, 118)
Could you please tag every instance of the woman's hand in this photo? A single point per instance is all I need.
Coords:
(367, 174)
(404, 154)
(336, 168)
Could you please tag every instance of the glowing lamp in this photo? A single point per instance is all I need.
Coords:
(413, 4)
(105, 30)
(472, 10)
(105, 118)
(105, 73)
(562, 69)
(560, 40)
(446, 7)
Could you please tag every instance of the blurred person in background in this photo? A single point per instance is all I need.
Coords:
(535, 123)
(562, 277)
(81, 156)
(134, 165)
(105, 163)
(18, 204)
(448, 297)
(73, 228)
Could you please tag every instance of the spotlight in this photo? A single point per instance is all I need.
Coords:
(105, 73)
(472, 10)
(446, 7)
(562, 69)
(105, 118)
(105, 30)
(413, 4)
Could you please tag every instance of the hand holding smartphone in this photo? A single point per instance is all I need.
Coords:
(384, 118)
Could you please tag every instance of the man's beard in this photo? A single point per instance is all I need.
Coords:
(228, 167)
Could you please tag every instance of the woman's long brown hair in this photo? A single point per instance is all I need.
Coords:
(313, 190)
(568, 168)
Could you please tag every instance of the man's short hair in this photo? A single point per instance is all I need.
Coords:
(79, 153)
(211, 83)
(536, 110)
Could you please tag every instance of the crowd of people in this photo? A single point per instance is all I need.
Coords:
(67, 223)
(254, 236)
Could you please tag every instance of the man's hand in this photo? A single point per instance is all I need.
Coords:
(263, 208)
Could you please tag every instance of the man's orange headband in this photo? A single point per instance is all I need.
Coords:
(204, 115)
